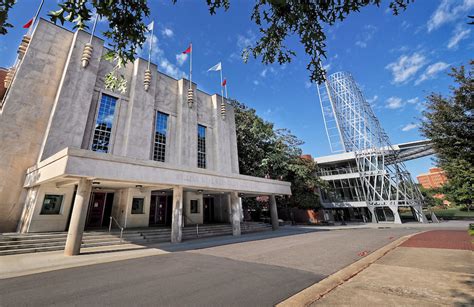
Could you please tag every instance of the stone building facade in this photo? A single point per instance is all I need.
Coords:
(74, 153)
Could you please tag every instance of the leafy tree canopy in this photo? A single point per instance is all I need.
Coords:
(449, 123)
(277, 20)
(274, 153)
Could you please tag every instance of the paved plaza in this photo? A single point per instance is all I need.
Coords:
(259, 269)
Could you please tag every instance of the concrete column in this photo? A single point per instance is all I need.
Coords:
(78, 218)
(241, 210)
(418, 210)
(235, 209)
(177, 217)
(396, 215)
(273, 212)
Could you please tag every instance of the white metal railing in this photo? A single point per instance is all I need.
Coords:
(119, 226)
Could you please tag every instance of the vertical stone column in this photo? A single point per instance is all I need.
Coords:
(177, 217)
(419, 214)
(235, 213)
(78, 218)
(273, 212)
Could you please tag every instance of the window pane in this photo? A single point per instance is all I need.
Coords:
(201, 158)
(159, 146)
(137, 205)
(103, 125)
(194, 206)
(52, 204)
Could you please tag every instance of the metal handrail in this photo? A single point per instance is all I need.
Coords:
(119, 226)
(189, 220)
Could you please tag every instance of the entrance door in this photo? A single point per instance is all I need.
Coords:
(96, 210)
(208, 210)
(153, 205)
(158, 206)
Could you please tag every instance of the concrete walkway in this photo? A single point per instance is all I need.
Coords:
(433, 268)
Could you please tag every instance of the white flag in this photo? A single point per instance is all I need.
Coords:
(150, 26)
(216, 67)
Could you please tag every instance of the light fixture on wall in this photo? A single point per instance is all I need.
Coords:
(200, 191)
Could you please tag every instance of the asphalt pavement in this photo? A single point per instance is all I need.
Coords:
(251, 272)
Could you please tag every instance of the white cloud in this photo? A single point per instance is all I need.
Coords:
(409, 127)
(181, 58)
(394, 103)
(308, 84)
(448, 11)
(158, 56)
(365, 36)
(244, 41)
(255, 82)
(373, 99)
(431, 71)
(413, 100)
(459, 34)
(167, 32)
(171, 70)
(327, 67)
(406, 67)
(265, 71)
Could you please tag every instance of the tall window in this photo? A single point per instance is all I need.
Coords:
(201, 146)
(103, 125)
(159, 147)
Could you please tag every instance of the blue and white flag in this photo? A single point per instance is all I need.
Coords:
(216, 67)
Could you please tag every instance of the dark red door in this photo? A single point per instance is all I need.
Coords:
(161, 210)
(152, 220)
(96, 210)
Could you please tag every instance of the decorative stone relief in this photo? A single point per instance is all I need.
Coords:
(190, 97)
(25, 41)
(86, 55)
(147, 79)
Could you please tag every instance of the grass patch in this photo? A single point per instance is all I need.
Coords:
(453, 213)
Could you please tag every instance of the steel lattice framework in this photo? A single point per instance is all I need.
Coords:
(352, 126)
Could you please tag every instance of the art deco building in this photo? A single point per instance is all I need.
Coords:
(73, 154)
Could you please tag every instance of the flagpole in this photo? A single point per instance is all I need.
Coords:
(93, 27)
(226, 96)
(191, 67)
(36, 16)
(151, 39)
(222, 90)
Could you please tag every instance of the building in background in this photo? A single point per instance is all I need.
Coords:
(76, 155)
(366, 175)
(435, 178)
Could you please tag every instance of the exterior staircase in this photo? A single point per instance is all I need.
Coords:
(15, 243)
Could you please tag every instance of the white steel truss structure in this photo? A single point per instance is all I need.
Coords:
(352, 126)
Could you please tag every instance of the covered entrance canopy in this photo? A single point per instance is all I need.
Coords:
(136, 181)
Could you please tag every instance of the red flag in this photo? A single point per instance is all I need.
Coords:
(224, 82)
(188, 50)
(28, 24)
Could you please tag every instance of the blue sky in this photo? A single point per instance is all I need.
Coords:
(397, 60)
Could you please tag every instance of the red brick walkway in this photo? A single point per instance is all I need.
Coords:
(449, 239)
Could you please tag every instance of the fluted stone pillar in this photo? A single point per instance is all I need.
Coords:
(78, 218)
(235, 213)
(177, 217)
(273, 212)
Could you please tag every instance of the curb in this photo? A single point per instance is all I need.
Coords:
(313, 293)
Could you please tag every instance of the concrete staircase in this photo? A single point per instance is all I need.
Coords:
(15, 243)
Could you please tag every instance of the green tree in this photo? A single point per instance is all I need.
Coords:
(449, 123)
(274, 153)
(277, 21)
